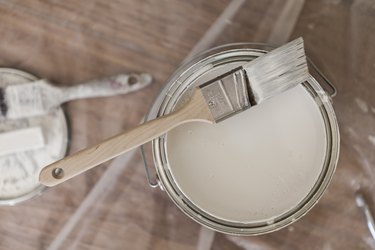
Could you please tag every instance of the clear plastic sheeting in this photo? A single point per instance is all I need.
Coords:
(113, 207)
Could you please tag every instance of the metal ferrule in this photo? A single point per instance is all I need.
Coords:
(227, 94)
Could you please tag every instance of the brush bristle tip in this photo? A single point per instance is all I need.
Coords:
(278, 70)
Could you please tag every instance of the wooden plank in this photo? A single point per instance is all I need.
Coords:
(72, 41)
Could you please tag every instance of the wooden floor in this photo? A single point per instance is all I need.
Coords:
(112, 207)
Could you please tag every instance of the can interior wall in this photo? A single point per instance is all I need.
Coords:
(177, 91)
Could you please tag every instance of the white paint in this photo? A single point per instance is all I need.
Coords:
(362, 105)
(371, 138)
(20, 140)
(40, 97)
(354, 183)
(19, 171)
(254, 166)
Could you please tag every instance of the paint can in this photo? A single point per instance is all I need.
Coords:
(173, 179)
(20, 170)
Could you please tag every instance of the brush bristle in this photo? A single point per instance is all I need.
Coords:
(277, 71)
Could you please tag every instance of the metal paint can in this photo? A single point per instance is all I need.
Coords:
(176, 92)
(23, 167)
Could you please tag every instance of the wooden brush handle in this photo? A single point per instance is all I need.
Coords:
(62, 170)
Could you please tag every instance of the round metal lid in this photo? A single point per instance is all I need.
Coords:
(19, 171)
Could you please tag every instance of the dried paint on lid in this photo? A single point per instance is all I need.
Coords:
(19, 170)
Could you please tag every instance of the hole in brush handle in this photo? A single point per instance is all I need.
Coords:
(133, 79)
(58, 173)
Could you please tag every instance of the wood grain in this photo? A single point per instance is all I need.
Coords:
(70, 41)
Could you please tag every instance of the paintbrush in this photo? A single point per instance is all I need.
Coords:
(40, 97)
(216, 100)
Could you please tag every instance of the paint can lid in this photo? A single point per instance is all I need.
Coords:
(37, 141)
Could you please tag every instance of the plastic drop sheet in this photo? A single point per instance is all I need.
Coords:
(112, 207)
